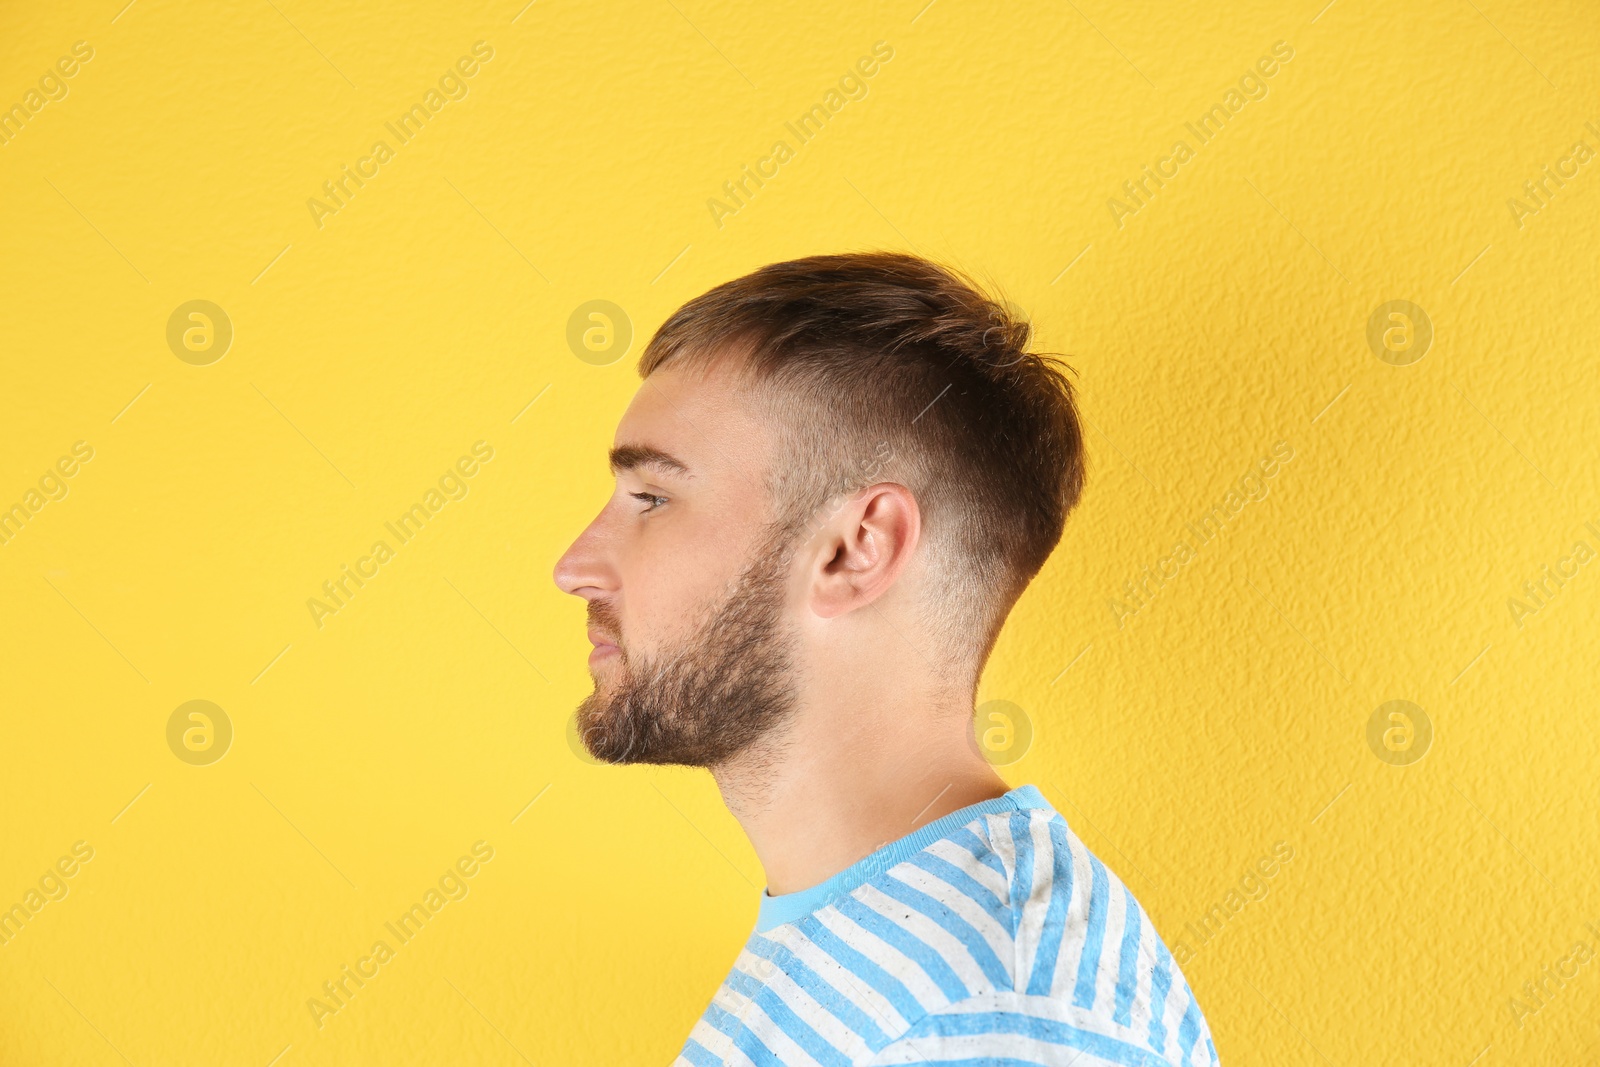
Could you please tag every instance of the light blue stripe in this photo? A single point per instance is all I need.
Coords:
(1160, 982)
(1055, 918)
(699, 1055)
(1211, 1049)
(1022, 876)
(981, 850)
(1189, 1028)
(743, 1038)
(976, 944)
(912, 947)
(819, 990)
(962, 882)
(967, 1024)
(1127, 972)
(798, 1031)
(888, 986)
(1094, 936)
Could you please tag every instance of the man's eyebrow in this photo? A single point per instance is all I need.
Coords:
(632, 457)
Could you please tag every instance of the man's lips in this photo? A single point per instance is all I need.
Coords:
(604, 648)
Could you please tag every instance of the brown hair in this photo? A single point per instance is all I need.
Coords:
(857, 352)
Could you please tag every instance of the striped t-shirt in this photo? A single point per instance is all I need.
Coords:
(990, 936)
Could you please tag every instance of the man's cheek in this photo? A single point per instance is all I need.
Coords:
(660, 619)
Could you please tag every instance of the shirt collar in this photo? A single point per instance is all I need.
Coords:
(789, 907)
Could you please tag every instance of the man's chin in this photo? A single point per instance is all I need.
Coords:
(593, 733)
(613, 737)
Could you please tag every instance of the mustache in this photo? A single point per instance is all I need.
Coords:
(603, 617)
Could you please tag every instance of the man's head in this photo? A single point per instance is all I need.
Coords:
(836, 466)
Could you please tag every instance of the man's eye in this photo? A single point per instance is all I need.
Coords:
(651, 499)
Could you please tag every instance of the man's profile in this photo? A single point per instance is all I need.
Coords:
(837, 478)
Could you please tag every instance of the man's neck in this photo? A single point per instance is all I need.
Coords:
(838, 784)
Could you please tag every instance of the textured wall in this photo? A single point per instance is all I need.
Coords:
(1188, 719)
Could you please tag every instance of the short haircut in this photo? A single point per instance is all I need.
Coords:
(852, 351)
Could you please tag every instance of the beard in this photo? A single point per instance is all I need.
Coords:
(722, 689)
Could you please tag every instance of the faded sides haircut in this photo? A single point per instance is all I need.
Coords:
(883, 366)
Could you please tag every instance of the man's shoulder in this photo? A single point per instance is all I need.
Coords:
(1004, 938)
(1090, 968)
(1006, 929)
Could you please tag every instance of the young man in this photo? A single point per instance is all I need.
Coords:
(836, 480)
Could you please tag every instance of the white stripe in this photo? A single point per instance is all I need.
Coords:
(814, 1015)
(851, 987)
(978, 1046)
(1201, 1054)
(985, 1048)
(1105, 983)
(999, 830)
(981, 872)
(719, 1044)
(917, 983)
(1030, 925)
(1077, 925)
(944, 944)
(1172, 1013)
(767, 1032)
(998, 938)
(1139, 1017)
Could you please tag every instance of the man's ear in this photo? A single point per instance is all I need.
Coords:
(864, 548)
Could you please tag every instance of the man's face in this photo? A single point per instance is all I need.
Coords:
(686, 582)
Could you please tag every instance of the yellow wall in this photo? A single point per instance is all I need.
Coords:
(374, 345)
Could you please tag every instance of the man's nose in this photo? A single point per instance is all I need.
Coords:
(583, 569)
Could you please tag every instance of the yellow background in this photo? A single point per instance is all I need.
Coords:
(1229, 313)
